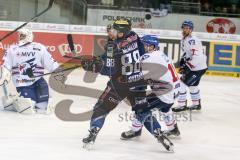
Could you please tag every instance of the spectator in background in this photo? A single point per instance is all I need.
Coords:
(166, 4)
(94, 2)
(107, 2)
(238, 7)
(225, 10)
(122, 3)
(218, 5)
(206, 5)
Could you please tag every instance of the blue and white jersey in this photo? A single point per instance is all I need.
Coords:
(161, 60)
(32, 57)
(194, 51)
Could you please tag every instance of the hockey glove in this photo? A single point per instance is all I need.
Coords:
(92, 65)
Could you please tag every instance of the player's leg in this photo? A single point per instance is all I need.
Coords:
(7, 100)
(106, 103)
(195, 91)
(135, 130)
(192, 78)
(182, 98)
(26, 101)
(137, 94)
(169, 119)
(43, 102)
(153, 126)
(167, 114)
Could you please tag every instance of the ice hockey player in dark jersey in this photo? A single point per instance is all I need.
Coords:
(121, 63)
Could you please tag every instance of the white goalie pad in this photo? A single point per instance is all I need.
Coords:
(5, 75)
(7, 103)
(24, 105)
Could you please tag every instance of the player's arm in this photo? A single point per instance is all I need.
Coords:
(188, 59)
(48, 62)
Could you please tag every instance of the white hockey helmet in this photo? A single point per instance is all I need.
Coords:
(25, 36)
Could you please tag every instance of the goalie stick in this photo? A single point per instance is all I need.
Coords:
(32, 19)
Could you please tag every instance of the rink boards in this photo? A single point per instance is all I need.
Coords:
(223, 50)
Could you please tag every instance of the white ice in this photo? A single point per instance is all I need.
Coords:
(214, 133)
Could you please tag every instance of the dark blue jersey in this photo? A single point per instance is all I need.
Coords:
(122, 58)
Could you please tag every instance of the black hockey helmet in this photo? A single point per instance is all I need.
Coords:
(109, 27)
(122, 25)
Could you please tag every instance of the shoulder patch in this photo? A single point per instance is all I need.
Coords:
(192, 42)
(145, 56)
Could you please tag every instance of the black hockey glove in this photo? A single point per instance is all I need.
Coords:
(182, 62)
(93, 65)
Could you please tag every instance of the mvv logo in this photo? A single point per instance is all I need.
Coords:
(26, 54)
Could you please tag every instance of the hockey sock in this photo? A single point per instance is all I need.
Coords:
(195, 95)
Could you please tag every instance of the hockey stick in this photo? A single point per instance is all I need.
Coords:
(72, 48)
(71, 44)
(74, 67)
(32, 19)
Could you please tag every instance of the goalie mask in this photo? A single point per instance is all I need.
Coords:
(25, 36)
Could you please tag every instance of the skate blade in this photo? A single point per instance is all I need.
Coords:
(88, 146)
(171, 149)
(174, 136)
(168, 145)
(195, 110)
(130, 139)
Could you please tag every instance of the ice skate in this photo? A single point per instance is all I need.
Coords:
(131, 134)
(90, 139)
(168, 145)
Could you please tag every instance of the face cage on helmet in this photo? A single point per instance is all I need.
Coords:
(26, 39)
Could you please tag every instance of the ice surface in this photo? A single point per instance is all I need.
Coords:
(214, 133)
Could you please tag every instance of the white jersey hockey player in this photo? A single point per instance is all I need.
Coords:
(193, 65)
(26, 61)
(159, 67)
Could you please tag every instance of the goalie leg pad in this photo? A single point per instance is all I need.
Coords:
(5, 75)
(24, 105)
(7, 103)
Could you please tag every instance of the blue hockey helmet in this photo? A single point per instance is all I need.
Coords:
(188, 23)
(150, 40)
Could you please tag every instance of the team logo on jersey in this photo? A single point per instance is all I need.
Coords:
(26, 68)
(221, 25)
(144, 57)
(26, 54)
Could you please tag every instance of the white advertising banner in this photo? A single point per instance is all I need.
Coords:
(100, 17)
(101, 30)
